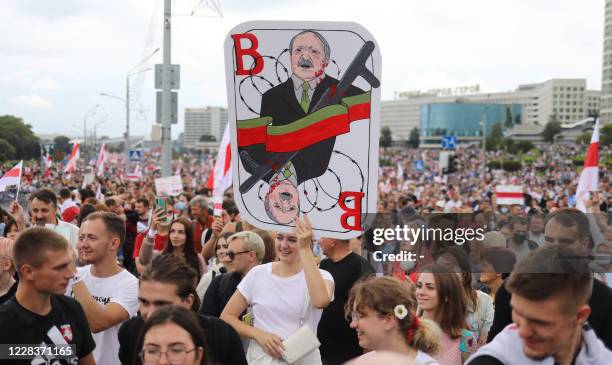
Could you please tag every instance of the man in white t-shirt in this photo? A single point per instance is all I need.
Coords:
(107, 292)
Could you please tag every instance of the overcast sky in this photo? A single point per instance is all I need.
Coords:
(58, 56)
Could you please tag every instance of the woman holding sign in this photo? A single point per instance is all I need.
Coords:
(287, 298)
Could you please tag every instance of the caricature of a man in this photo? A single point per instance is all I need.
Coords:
(295, 98)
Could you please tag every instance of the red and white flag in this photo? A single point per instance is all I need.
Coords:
(134, 176)
(509, 195)
(48, 165)
(12, 176)
(102, 156)
(72, 160)
(589, 178)
(221, 174)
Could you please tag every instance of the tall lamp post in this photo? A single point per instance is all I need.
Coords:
(126, 103)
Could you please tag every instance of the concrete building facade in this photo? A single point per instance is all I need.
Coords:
(199, 122)
(566, 100)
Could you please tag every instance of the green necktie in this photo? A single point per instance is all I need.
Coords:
(305, 102)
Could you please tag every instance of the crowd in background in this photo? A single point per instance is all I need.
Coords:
(149, 279)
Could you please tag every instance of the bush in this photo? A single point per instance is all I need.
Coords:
(508, 165)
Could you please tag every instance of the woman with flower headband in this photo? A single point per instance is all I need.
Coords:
(382, 312)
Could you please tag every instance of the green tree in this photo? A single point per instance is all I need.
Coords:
(414, 139)
(524, 146)
(495, 137)
(7, 152)
(20, 136)
(552, 128)
(583, 137)
(385, 137)
(605, 134)
(62, 144)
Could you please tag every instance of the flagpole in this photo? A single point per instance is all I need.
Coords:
(19, 185)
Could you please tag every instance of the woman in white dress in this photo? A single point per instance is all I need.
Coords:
(383, 312)
(283, 295)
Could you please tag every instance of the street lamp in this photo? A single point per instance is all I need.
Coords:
(126, 103)
(95, 135)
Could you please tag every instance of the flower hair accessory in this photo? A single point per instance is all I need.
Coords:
(400, 311)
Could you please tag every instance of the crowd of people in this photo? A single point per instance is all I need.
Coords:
(129, 277)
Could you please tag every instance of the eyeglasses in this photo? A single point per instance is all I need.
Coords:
(175, 355)
(232, 254)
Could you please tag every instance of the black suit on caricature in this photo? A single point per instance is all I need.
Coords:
(281, 104)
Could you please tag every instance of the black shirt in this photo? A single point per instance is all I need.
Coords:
(67, 319)
(223, 345)
(221, 289)
(338, 340)
(10, 293)
(600, 319)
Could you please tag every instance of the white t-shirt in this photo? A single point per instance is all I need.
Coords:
(278, 302)
(420, 359)
(67, 230)
(121, 288)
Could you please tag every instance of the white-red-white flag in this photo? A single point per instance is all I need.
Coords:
(589, 178)
(102, 156)
(48, 165)
(509, 195)
(135, 175)
(222, 172)
(12, 176)
(72, 160)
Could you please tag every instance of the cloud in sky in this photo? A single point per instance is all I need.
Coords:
(76, 50)
(31, 101)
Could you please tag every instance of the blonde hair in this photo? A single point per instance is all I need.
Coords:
(6, 252)
(251, 242)
(382, 295)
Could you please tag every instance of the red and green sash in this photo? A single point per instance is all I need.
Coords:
(327, 122)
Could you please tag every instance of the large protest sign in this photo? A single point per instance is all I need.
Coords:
(303, 102)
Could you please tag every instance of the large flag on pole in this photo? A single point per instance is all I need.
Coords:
(12, 176)
(72, 160)
(101, 159)
(589, 178)
(222, 172)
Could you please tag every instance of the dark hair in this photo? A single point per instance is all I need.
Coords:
(230, 207)
(86, 209)
(452, 301)
(552, 270)
(180, 316)
(65, 193)
(45, 195)
(143, 201)
(32, 245)
(463, 261)
(191, 256)
(110, 202)
(7, 228)
(501, 258)
(518, 220)
(169, 269)
(114, 225)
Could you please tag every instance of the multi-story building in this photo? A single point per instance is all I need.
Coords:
(564, 100)
(606, 71)
(204, 125)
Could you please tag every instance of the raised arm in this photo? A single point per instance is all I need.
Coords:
(320, 290)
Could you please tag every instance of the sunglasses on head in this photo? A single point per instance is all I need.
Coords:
(232, 254)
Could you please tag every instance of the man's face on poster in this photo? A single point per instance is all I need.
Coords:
(283, 202)
(308, 59)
